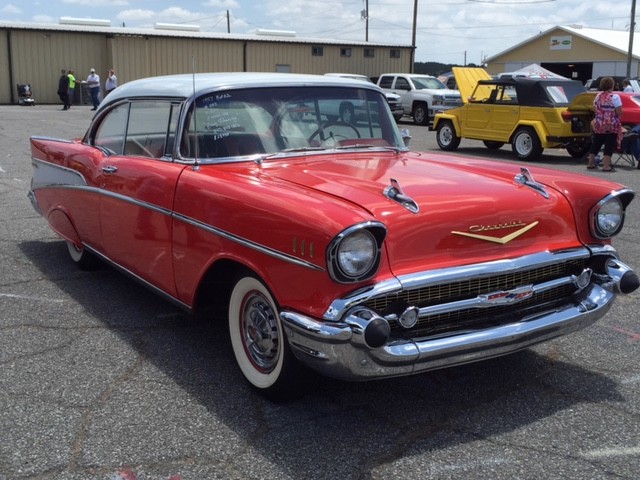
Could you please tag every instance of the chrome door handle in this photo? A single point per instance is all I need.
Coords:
(110, 169)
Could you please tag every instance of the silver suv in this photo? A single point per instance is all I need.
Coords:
(422, 95)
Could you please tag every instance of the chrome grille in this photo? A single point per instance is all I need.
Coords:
(471, 288)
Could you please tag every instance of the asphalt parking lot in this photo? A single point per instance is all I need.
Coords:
(101, 379)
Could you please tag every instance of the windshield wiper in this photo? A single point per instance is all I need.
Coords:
(367, 146)
(268, 156)
(301, 149)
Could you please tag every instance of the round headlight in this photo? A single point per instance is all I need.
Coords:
(609, 218)
(357, 253)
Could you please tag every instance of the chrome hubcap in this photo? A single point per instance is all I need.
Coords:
(260, 332)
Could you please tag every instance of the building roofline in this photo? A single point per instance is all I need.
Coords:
(151, 32)
(582, 32)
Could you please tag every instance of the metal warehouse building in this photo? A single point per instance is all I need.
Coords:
(574, 52)
(35, 53)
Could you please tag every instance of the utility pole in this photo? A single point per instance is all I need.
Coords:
(365, 14)
(413, 36)
(228, 23)
(632, 25)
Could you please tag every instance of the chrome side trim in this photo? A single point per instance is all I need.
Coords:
(51, 139)
(46, 174)
(466, 272)
(139, 279)
(247, 243)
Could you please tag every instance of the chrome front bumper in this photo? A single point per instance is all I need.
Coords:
(340, 350)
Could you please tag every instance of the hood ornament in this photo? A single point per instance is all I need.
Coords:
(394, 192)
(501, 240)
(526, 178)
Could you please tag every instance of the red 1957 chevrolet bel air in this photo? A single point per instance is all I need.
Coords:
(333, 245)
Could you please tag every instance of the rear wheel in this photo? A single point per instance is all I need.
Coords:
(259, 343)
(446, 136)
(421, 113)
(578, 151)
(81, 257)
(491, 145)
(526, 144)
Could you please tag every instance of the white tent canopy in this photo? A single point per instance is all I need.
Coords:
(536, 71)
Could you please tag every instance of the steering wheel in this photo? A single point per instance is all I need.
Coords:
(322, 128)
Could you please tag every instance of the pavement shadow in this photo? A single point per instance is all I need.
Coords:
(339, 429)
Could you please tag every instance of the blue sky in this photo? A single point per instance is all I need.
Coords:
(448, 31)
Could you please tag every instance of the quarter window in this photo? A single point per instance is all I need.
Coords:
(111, 132)
(386, 82)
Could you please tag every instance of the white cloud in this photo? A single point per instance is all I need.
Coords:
(44, 19)
(11, 9)
(137, 14)
(221, 4)
(97, 3)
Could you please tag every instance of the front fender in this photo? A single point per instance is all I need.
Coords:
(455, 121)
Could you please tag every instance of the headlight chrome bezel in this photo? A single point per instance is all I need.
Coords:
(607, 216)
(371, 235)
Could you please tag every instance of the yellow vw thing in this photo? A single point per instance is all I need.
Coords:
(530, 113)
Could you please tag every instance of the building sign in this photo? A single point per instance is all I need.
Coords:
(560, 42)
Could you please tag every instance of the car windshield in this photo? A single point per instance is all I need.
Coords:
(423, 83)
(269, 121)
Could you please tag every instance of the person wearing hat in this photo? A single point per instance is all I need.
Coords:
(63, 89)
(93, 80)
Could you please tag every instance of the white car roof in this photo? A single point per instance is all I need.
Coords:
(188, 85)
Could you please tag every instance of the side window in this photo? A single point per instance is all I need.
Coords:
(111, 132)
(402, 84)
(386, 82)
(148, 128)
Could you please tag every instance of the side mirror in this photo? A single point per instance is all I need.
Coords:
(406, 136)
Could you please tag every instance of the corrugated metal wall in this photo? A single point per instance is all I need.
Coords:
(264, 57)
(37, 56)
(5, 77)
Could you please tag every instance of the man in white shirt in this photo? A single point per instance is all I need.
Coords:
(111, 83)
(93, 80)
(626, 86)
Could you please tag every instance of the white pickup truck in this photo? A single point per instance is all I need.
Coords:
(422, 95)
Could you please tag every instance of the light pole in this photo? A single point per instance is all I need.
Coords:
(632, 25)
(413, 35)
(365, 14)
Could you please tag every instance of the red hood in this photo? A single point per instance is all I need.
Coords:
(454, 194)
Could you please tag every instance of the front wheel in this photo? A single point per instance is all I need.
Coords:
(259, 343)
(526, 144)
(421, 114)
(446, 136)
